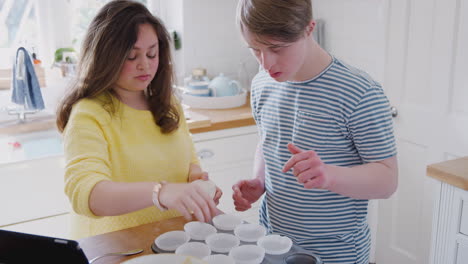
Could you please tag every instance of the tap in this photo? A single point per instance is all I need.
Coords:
(20, 112)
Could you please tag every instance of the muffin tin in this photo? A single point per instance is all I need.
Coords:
(257, 242)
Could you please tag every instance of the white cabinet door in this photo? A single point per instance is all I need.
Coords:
(224, 179)
(425, 78)
(227, 156)
(32, 189)
(462, 252)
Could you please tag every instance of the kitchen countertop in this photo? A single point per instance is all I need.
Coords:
(198, 120)
(131, 238)
(453, 172)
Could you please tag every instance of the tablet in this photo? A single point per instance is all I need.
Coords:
(16, 247)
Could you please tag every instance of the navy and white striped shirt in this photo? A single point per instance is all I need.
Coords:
(344, 116)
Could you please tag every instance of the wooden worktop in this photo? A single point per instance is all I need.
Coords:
(453, 172)
(222, 118)
(131, 238)
(199, 120)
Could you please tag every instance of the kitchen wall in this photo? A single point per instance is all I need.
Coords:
(354, 32)
(210, 38)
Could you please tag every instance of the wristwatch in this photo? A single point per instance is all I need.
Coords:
(156, 190)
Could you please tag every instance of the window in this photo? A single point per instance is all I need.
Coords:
(18, 24)
(43, 26)
(84, 11)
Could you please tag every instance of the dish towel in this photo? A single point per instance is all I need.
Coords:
(26, 89)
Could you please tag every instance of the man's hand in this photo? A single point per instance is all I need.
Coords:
(247, 192)
(308, 168)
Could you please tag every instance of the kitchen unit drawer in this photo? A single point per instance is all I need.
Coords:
(224, 152)
(464, 218)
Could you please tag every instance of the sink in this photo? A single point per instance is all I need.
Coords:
(11, 124)
(29, 146)
(8, 119)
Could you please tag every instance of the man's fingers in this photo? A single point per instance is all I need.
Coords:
(239, 200)
(296, 158)
(242, 208)
(293, 160)
(294, 149)
(316, 182)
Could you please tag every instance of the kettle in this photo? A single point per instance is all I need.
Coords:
(224, 86)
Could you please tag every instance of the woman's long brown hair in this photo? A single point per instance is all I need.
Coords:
(107, 44)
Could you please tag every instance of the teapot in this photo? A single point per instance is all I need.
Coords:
(224, 86)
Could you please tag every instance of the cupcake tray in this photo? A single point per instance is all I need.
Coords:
(269, 259)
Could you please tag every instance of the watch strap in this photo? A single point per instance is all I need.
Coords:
(156, 193)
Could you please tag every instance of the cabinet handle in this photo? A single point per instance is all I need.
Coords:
(394, 111)
(205, 154)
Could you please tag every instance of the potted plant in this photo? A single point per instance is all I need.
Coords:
(65, 59)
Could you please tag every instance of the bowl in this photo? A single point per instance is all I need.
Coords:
(199, 230)
(194, 249)
(222, 242)
(210, 102)
(247, 254)
(275, 244)
(199, 92)
(169, 241)
(217, 259)
(249, 232)
(226, 222)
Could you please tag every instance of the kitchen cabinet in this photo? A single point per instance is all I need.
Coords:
(31, 184)
(450, 238)
(32, 187)
(450, 221)
(227, 155)
(32, 190)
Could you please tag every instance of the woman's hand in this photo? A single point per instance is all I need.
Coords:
(308, 168)
(196, 173)
(188, 198)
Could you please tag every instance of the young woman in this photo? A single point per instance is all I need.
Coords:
(127, 145)
(326, 138)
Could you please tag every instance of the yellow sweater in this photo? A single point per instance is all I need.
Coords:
(125, 147)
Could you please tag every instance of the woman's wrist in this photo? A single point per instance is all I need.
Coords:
(157, 189)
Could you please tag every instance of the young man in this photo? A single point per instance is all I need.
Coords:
(326, 139)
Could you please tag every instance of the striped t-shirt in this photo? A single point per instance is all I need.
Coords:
(344, 116)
